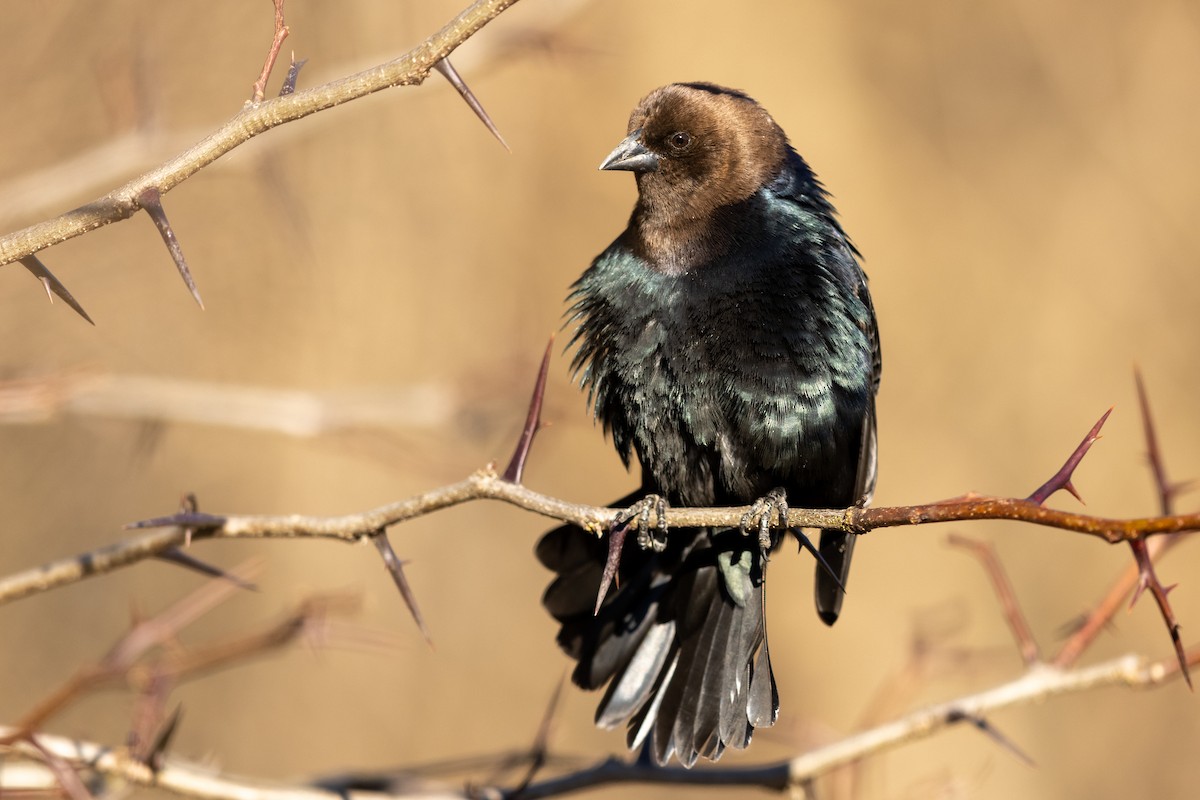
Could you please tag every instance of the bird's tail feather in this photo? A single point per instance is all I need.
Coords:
(688, 667)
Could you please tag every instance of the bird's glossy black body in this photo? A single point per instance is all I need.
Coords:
(728, 342)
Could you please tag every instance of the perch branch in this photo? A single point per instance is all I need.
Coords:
(487, 485)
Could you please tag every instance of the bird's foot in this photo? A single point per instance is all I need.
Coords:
(637, 516)
(775, 501)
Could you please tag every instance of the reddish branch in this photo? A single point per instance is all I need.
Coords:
(1062, 478)
(117, 666)
(148, 659)
(1140, 575)
(281, 33)
(1005, 594)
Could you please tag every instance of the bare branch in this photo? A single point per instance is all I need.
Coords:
(64, 775)
(1167, 491)
(44, 190)
(409, 69)
(539, 753)
(291, 412)
(1005, 594)
(130, 647)
(281, 33)
(487, 485)
(1132, 578)
(1038, 684)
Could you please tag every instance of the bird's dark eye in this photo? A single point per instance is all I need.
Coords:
(679, 141)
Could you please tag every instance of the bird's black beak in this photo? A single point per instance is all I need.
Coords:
(631, 155)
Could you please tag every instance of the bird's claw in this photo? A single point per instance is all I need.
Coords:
(638, 516)
(775, 501)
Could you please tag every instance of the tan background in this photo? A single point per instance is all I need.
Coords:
(1022, 178)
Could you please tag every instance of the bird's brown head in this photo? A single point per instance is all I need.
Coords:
(694, 147)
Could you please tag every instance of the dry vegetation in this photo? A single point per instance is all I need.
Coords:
(379, 282)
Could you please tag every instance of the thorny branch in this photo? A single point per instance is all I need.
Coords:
(1091, 624)
(1005, 594)
(486, 484)
(412, 68)
(149, 659)
(189, 524)
(1038, 684)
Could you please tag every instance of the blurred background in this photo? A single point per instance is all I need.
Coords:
(380, 282)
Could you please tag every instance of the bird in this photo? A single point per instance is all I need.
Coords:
(726, 339)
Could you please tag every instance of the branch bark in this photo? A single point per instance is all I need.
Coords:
(486, 484)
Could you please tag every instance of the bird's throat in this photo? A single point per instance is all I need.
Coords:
(673, 244)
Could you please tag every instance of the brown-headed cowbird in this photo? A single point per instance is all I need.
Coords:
(727, 339)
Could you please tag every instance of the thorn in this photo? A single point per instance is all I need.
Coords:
(154, 753)
(151, 200)
(992, 732)
(1062, 478)
(188, 504)
(52, 285)
(289, 81)
(616, 541)
(196, 521)
(533, 422)
(451, 74)
(806, 544)
(396, 567)
(541, 742)
(1167, 491)
(177, 556)
(1148, 580)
